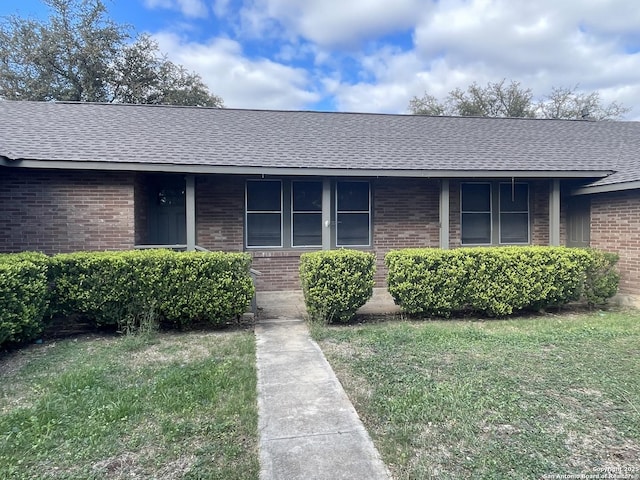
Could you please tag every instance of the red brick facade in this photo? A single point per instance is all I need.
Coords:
(64, 211)
(406, 214)
(615, 227)
(56, 211)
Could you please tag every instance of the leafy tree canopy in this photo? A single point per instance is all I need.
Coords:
(500, 99)
(80, 54)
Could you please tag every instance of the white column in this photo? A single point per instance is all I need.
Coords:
(190, 198)
(554, 213)
(444, 214)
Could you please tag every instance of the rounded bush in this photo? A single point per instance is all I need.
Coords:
(335, 283)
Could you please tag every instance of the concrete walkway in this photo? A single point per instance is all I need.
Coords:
(308, 427)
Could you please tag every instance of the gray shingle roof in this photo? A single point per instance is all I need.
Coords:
(252, 139)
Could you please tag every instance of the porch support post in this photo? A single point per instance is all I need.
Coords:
(326, 214)
(554, 213)
(444, 214)
(190, 199)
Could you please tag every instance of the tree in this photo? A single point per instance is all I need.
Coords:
(80, 54)
(501, 100)
(565, 102)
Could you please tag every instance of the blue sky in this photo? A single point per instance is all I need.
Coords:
(374, 55)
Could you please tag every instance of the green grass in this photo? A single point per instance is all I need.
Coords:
(148, 406)
(496, 399)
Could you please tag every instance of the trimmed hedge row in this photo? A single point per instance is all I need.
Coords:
(23, 296)
(125, 288)
(335, 283)
(498, 281)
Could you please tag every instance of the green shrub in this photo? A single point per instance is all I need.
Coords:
(496, 281)
(336, 283)
(23, 296)
(601, 278)
(131, 288)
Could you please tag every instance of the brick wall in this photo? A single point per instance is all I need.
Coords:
(279, 270)
(615, 227)
(220, 212)
(61, 211)
(406, 215)
(141, 208)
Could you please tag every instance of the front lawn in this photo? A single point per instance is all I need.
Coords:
(517, 398)
(166, 406)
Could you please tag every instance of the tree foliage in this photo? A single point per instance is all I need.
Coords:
(500, 99)
(80, 54)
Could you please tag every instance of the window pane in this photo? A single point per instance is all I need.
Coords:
(307, 196)
(476, 197)
(353, 229)
(307, 229)
(263, 230)
(514, 198)
(514, 228)
(476, 228)
(353, 197)
(170, 197)
(263, 196)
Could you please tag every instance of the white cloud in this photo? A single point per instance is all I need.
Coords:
(341, 53)
(189, 8)
(240, 81)
(221, 7)
(331, 23)
(540, 44)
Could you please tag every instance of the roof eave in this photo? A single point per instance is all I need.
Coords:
(296, 171)
(611, 187)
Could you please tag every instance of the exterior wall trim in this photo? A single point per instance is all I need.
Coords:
(318, 172)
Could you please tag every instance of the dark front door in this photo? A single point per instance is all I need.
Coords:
(578, 221)
(167, 219)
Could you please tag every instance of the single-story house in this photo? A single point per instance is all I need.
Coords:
(82, 176)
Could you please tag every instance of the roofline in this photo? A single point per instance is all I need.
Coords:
(330, 112)
(301, 171)
(612, 187)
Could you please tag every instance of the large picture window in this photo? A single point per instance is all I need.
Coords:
(484, 224)
(353, 214)
(306, 214)
(264, 213)
(289, 213)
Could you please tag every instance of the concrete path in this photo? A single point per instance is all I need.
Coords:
(308, 427)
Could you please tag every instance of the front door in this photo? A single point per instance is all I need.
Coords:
(167, 217)
(578, 221)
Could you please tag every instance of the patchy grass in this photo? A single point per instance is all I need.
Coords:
(151, 406)
(496, 399)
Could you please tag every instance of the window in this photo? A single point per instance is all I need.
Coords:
(264, 213)
(514, 213)
(353, 214)
(289, 213)
(480, 221)
(306, 214)
(476, 213)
